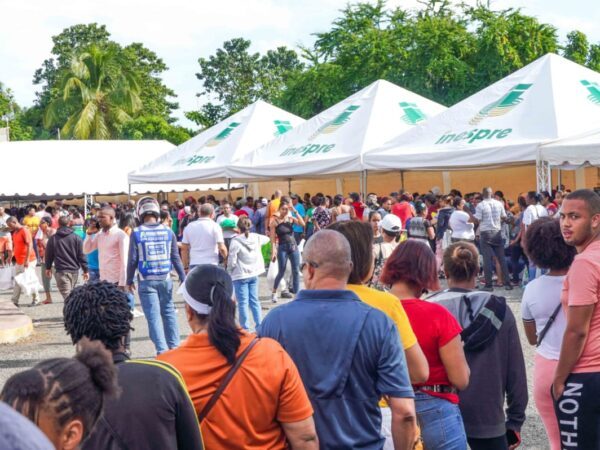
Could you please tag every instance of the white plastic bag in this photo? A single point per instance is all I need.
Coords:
(301, 245)
(272, 274)
(28, 281)
(7, 274)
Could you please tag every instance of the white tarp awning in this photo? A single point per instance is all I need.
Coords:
(204, 157)
(576, 151)
(334, 141)
(505, 123)
(71, 167)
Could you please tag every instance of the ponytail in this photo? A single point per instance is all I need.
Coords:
(244, 225)
(68, 388)
(223, 332)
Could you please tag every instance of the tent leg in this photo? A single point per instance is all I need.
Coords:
(289, 186)
(542, 169)
(245, 190)
(402, 179)
(365, 186)
(559, 176)
(129, 192)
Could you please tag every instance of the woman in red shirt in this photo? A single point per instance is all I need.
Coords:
(411, 270)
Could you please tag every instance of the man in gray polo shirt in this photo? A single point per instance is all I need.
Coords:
(490, 214)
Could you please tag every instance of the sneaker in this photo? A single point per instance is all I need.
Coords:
(487, 288)
(287, 294)
(137, 313)
(274, 297)
(508, 287)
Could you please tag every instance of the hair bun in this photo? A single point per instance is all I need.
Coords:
(99, 361)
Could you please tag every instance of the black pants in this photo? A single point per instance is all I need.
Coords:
(492, 245)
(497, 443)
(578, 412)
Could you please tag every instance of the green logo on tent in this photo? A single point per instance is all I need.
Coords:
(283, 126)
(337, 122)
(594, 90)
(412, 114)
(503, 106)
(222, 135)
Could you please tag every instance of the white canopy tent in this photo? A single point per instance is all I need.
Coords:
(77, 168)
(204, 157)
(505, 123)
(573, 152)
(334, 141)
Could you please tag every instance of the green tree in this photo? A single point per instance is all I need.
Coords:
(154, 127)
(233, 78)
(99, 91)
(577, 47)
(145, 65)
(9, 109)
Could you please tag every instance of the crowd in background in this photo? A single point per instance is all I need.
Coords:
(372, 352)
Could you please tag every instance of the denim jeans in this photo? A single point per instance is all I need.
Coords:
(492, 245)
(156, 298)
(285, 252)
(94, 274)
(441, 424)
(246, 291)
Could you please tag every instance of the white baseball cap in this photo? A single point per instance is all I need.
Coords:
(391, 223)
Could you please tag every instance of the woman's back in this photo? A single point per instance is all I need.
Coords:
(265, 391)
(497, 370)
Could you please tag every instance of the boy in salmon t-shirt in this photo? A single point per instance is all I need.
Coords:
(576, 387)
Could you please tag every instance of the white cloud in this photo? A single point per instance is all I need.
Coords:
(181, 31)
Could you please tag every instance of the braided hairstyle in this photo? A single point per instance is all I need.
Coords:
(65, 388)
(98, 310)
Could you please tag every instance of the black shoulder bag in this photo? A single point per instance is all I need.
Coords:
(226, 380)
(548, 325)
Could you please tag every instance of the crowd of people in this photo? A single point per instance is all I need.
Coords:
(372, 352)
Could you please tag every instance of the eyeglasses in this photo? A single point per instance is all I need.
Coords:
(308, 263)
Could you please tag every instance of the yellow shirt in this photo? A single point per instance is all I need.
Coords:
(391, 306)
(33, 223)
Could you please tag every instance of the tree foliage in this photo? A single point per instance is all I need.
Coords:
(154, 127)
(234, 77)
(100, 93)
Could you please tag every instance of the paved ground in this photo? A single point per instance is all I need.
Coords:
(49, 340)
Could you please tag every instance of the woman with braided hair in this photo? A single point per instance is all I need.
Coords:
(64, 396)
(247, 392)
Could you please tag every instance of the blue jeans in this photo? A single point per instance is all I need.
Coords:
(94, 274)
(285, 252)
(156, 298)
(246, 291)
(441, 423)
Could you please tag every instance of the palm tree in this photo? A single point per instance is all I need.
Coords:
(99, 93)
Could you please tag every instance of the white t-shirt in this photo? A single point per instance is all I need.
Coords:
(203, 235)
(228, 234)
(460, 225)
(533, 213)
(540, 299)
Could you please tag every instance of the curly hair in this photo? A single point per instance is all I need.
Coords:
(545, 246)
(98, 310)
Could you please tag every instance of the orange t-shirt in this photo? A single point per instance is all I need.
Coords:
(265, 391)
(21, 240)
(582, 287)
(273, 207)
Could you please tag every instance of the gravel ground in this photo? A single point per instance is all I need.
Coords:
(49, 340)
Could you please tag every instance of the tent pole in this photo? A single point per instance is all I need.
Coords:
(129, 192)
(559, 176)
(289, 186)
(402, 179)
(365, 185)
(85, 206)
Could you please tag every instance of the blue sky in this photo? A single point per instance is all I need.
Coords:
(181, 31)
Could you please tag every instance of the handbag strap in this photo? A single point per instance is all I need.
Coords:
(548, 324)
(228, 377)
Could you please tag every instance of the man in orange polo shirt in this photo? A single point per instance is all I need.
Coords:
(23, 253)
